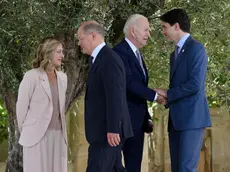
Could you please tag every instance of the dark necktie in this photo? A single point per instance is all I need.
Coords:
(139, 58)
(175, 55)
(90, 62)
(176, 52)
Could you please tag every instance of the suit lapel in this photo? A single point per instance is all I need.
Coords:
(134, 59)
(137, 63)
(91, 71)
(180, 56)
(96, 62)
(93, 68)
(60, 91)
(146, 72)
(45, 84)
(61, 84)
(171, 64)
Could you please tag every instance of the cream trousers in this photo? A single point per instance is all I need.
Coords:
(48, 155)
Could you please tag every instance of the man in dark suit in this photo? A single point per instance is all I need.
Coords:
(136, 32)
(187, 102)
(107, 120)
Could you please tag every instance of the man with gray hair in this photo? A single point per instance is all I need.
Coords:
(136, 32)
(107, 120)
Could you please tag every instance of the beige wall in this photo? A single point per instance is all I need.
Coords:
(3, 150)
(78, 143)
(215, 154)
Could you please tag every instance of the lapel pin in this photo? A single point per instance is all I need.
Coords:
(182, 50)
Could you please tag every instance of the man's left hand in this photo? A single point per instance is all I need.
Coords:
(113, 139)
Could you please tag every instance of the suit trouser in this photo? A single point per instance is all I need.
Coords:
(104, 158)
(185, 147)
(133, 150)
(48, 155)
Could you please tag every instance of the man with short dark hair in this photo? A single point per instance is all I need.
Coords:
(188, 108)
(107, 120)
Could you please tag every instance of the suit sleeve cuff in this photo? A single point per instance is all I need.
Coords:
(114, 127)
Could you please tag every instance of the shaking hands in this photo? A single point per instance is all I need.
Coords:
(162, 96)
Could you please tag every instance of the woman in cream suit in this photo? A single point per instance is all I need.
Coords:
(41, 111)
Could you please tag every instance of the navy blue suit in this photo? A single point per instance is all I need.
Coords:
(106, 111)
(137, 95)
(188, 107)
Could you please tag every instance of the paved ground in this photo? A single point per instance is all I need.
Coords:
(2, 167)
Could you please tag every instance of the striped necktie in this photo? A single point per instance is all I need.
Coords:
(139, 58)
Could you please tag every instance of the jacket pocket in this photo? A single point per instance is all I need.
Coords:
(29, 122)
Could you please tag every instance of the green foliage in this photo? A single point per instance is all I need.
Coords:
(3, 123)
(210, 25)
(25, 22)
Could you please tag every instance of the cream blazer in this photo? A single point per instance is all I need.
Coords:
(34, 106)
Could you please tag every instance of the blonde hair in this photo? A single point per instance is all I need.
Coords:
(43, 53)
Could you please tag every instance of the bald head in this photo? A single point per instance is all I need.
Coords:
(92, 26)
(90, 35)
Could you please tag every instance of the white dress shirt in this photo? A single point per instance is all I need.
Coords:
(96, 51)
(134, 49)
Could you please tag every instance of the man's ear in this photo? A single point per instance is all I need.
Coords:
(177, 26)
(94, 35)
(132, 31)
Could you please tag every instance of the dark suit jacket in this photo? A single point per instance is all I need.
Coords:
(137, 86)
(186, 95)
(106, 109)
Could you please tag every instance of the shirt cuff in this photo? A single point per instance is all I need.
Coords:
(155, 98)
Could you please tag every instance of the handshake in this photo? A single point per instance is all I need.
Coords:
(162, 96)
